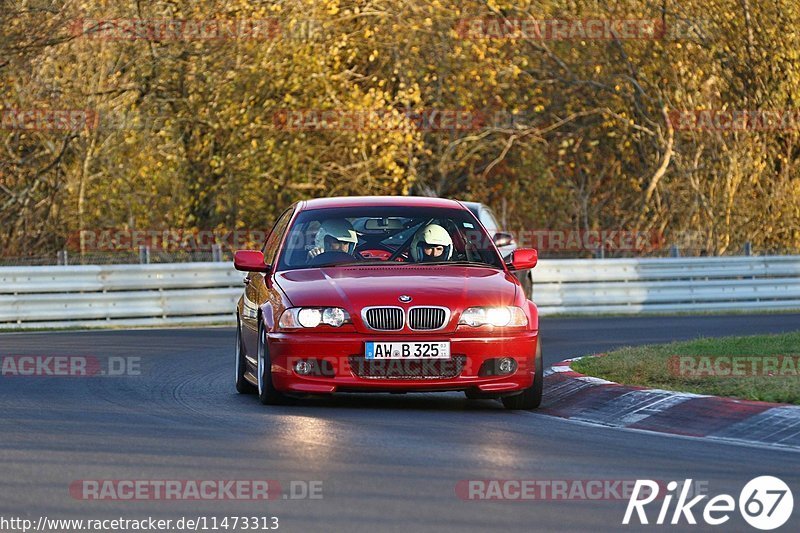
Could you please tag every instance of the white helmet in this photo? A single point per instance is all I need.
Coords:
(338, 229)
(432, 234)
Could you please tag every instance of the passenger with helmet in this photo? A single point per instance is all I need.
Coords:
(335, 235)
(431, 243)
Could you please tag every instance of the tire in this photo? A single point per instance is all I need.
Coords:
(266, 390)
(531, 397)
(242, 385)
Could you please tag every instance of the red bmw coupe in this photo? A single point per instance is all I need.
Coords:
(385, 294)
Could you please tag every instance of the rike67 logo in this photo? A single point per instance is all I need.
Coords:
(765, 503)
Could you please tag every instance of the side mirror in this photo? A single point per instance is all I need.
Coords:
(503, 239)
(524, 258)
(250, 261)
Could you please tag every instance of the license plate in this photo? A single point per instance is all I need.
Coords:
(408, 350)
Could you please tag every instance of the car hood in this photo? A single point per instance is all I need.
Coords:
(354, 288)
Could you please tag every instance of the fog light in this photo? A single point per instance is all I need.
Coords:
(500, 366)
(506, 365)
(304, 368)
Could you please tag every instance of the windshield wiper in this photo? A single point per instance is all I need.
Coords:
(357, 263)
(462, 262)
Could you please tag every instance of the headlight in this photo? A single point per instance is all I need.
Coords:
(311, 317)
(494, 316)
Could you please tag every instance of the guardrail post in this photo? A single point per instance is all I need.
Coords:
(61, 258)
(748, 248)
(144, 254)
(674, 251)
(216, 253)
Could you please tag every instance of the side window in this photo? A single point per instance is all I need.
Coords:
(274, 238)
(488, 221)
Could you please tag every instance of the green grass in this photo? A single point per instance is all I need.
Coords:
(658, 366)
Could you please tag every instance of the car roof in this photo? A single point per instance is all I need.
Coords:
(380, 201)
(472, 206)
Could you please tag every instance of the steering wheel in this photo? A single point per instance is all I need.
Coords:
(381, 254)
(375, 253)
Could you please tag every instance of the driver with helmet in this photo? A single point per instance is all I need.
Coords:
(431, 243)
(335, 235)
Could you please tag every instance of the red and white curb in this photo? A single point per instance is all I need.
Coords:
(575, 396)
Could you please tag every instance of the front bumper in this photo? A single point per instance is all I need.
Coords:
(342, 349)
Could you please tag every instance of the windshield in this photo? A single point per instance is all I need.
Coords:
(386, 235)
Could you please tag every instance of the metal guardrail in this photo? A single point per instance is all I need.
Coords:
(124, 295)
(186, 293)
(667, 285)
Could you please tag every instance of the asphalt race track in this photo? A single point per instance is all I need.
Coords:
(386, 462)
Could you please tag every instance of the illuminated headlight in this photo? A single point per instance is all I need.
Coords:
(500, 317)
(311, 317)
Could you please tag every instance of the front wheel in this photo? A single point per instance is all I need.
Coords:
(242, 385)
(531, 397)
(266, 390)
